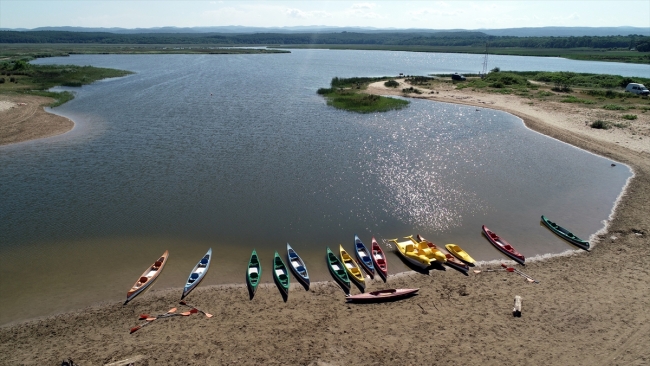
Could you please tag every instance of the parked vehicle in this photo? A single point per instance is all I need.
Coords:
(639, 89)
(457, 76)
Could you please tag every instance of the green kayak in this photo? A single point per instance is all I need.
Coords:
(336, 268)
(280, 273)
(254, 272)
(565, 234)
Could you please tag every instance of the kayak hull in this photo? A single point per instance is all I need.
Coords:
(298, 267)
(503, 246)
(364, 257)
(565, 234)
(383, 295)
(379, 259)
(198, 273)
(148, 278)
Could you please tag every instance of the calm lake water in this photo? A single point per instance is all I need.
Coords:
(237, 152)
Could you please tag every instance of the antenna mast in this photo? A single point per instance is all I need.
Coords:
(485, 61)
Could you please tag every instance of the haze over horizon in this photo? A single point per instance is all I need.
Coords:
(480, 14)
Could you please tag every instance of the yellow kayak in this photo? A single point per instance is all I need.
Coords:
(421, 243)
(414, 254)
(352, 267)
(459, 253)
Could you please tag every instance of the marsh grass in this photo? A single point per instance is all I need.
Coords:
(573, 99)
(37, 79)
(361, 103)
(629, 117)
(614, 107)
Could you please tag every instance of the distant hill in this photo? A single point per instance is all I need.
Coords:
(506, 32)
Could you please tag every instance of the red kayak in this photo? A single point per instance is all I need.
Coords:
(503, 246)
(379, 259)
(383, 295)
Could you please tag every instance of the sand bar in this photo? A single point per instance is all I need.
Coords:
(589, 309)
(23, 118)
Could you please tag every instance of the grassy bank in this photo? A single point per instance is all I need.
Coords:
(31, 51)
(21, 77)
(587, 54)
(343, 95)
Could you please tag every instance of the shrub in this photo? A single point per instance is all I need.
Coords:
(391, 84)
(325, 91)
(613, 107)
(544, 93)
(496, 69)
(601, 125)
(2, 80)
(411, 90)
(12, 79)
(629, 117)
(572, 99)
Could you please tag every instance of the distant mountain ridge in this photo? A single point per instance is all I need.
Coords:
(512, 32)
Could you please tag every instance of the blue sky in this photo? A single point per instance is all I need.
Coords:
(381, 14)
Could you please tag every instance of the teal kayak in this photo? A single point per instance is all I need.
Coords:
(565, 234)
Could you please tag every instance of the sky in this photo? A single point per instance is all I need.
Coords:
(448, 14)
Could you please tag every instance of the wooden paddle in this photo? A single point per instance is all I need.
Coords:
(510, 269)
(195, 308)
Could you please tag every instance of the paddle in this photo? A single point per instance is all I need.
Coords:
(150, 319)
(195, 308)
(510, 269)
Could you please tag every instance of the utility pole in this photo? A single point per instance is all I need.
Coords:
(485, 61)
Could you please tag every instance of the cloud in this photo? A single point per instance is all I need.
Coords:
(297, 13)
(363, 6)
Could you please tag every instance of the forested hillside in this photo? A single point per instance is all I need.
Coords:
(638, 42)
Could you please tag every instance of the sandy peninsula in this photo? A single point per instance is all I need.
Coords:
(590, 308)
(23, 118)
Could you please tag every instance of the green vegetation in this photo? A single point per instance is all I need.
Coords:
(614, 107)
(601, 125)
(341, 95)
(391, 83)
(25, 78)
(411, 90)
(631, 48)
(572, 99)
(629, 117)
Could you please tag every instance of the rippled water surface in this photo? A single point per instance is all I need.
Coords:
(237, 152)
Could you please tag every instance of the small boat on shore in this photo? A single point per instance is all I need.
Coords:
(197, 274)
(451, 261)
(280, 273)
(298, 266)
(379, 259)
(565, 234)
(336, 268)
(363, 255)
(459, 253)
(254, 273)
(421, 242)
(354, 272)
(147, 278)
(420, 258)
(504, 246)
(383, 295)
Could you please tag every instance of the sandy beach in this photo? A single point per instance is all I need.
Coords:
(23, 118)
(590, 308)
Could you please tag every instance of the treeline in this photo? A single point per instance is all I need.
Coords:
(638, 42)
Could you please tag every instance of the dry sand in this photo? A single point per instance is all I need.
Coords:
(591, 308)
(23, 118)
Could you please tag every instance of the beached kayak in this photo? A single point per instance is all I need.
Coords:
(148, 278)
(253, 273)
(363, 255)
(336, 268)
(565, 234)
(418, 257)
(379, 259)
(383, 295)
(503, 246)
(298, 266)
(197, 274)
(459, 253)
(354, 272)
(451, 261)
(280, 273)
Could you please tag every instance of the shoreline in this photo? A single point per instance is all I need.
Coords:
(589, 308)
(23, 118)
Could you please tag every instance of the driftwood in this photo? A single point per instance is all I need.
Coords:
(517, 309)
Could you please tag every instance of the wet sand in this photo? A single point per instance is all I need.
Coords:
(590, 308)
